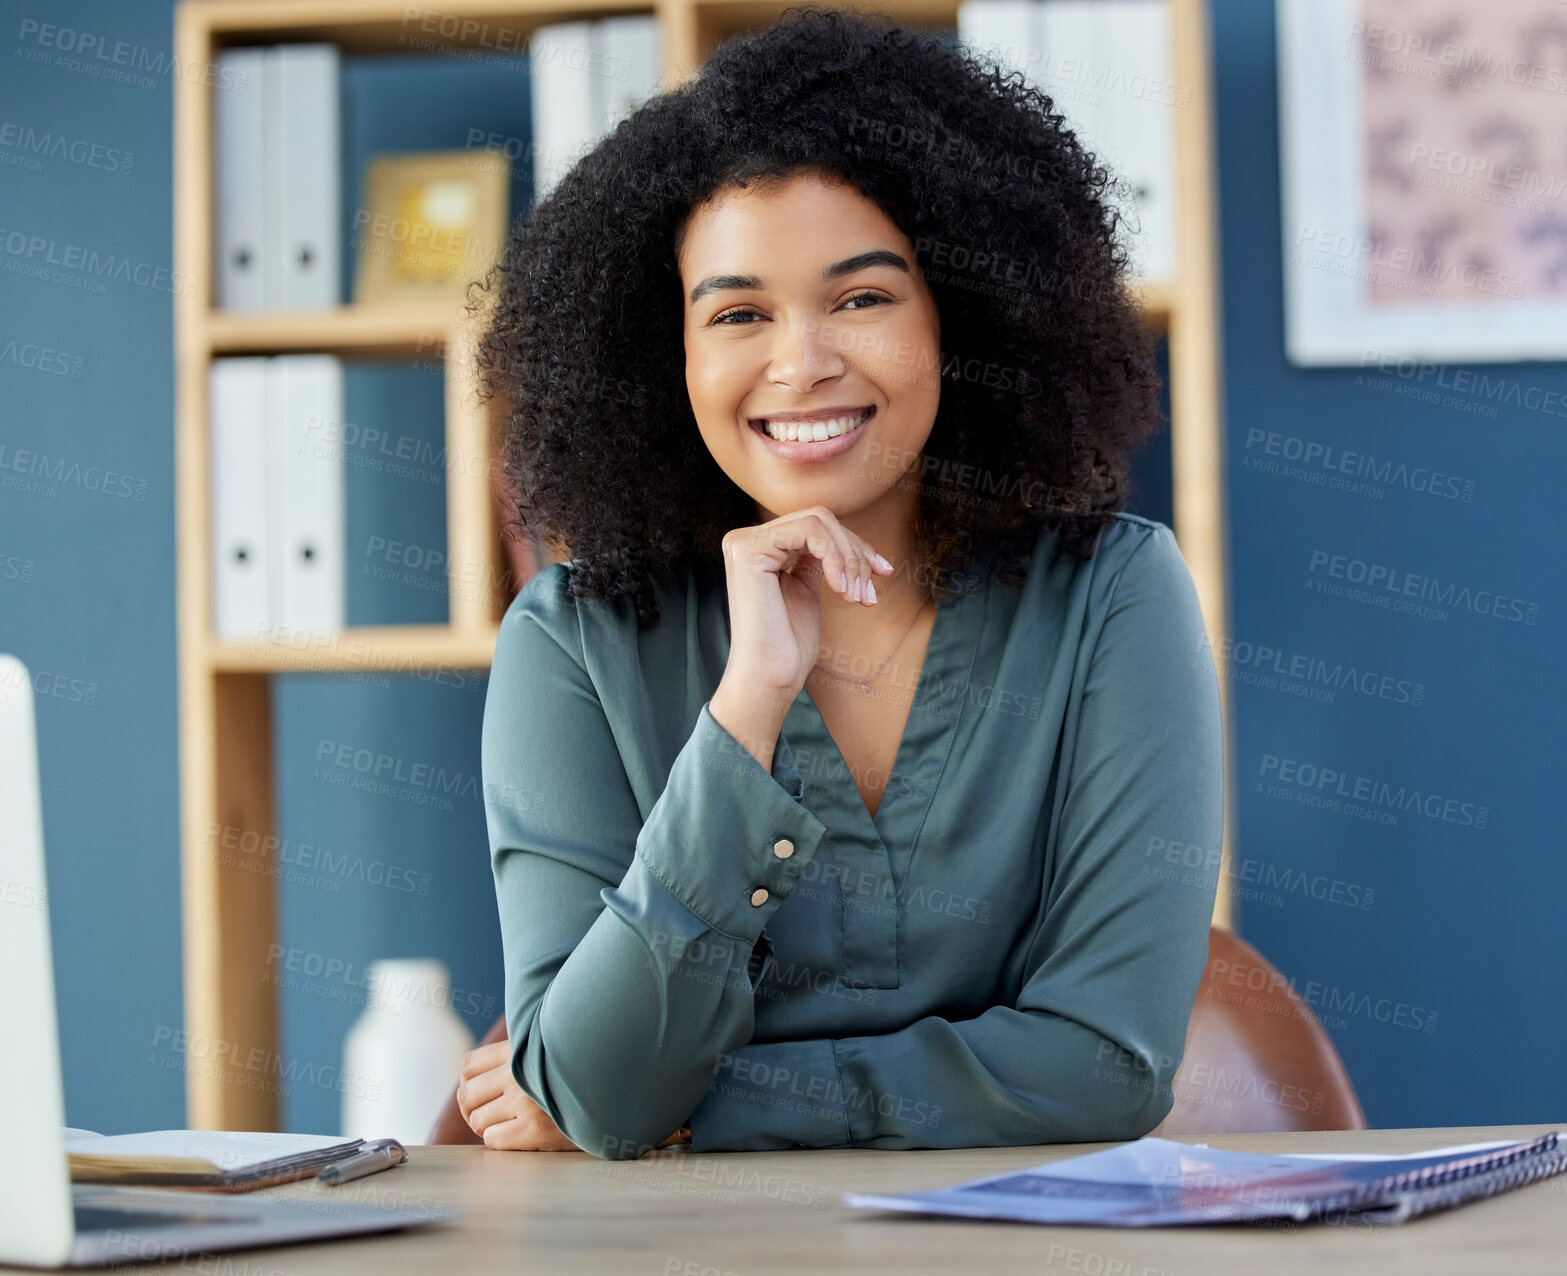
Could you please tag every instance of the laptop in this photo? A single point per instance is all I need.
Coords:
(45, 1219)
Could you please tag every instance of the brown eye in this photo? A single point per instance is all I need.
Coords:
(865, 296)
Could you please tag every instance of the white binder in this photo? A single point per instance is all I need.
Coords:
(1142, 130)
(633, 60)
(1080, 66)
(241, 543)
(1108, 65)
(243, 193)
(1063, 48)
(304, 170)
(307, 508)
(1006, 31)
(567, 98)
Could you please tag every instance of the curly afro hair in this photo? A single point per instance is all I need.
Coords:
(1048, 375)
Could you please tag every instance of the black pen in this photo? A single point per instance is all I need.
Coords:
(382, 1154)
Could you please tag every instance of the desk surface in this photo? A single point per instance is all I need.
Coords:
(677, 1213)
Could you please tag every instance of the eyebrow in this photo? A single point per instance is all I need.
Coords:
(860, 261)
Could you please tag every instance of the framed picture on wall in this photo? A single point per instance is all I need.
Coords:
(430, 222)
(1423, 163)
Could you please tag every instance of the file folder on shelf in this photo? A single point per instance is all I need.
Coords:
(565, 110)
(278, 516)
(633, 56)
(586, 77)
(241, 544)
(243, 194)
(1141, 126)
(1080, 66)
(308, 505)
(277, 132)
(1108, 67)
(305, 170)
(1006, 30)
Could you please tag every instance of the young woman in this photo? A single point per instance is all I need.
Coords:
(830, 784)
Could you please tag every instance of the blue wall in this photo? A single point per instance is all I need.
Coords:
(1457, 954)
(87, 592)
(1444, 994)
(99, 608)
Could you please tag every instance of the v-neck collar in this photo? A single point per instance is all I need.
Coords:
(924, 746)
(865, 859)
(868, 858)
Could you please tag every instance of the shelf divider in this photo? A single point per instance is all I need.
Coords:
(392, 330)
(414, 649)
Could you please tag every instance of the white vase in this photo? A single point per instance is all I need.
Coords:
(401, 1055)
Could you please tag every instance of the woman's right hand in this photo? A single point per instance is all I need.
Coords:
(774, 573)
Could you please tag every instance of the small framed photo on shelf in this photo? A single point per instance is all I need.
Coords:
(430, 223)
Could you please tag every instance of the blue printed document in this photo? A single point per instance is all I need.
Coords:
(1154, 1182)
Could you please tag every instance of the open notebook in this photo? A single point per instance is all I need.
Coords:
(213, 1160)
(1155, 1183)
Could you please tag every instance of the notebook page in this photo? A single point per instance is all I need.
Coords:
(1405, 1156)
(230, 1150)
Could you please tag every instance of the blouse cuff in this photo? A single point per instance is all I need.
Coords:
(728, 839)
(779, 1094)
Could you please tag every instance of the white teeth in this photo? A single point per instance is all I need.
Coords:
(817, 431)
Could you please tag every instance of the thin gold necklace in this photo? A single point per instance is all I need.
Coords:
(864, 684)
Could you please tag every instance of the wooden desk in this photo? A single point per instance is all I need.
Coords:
(755, 1213)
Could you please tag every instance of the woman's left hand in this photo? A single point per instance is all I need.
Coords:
(496, 1109)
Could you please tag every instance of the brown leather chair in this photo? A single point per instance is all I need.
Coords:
(1256, 1058)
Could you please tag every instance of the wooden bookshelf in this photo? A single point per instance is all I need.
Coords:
(229, 918)
(398, 331)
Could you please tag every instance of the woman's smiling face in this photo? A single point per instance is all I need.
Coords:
(804, 304)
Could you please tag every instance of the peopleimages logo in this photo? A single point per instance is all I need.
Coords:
(1480, 385)
(1358, 465)
(1397, 48)
(1316, 783)
(116, 60)
(1234, 657)
(82, 267)
(1318, 246)
(1394, 581)
(785, 1087)
(28, 141)
(1331, 1004)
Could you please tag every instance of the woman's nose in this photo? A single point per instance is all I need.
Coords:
(805, 353)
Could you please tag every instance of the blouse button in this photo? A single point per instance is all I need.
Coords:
(759, 896)
(783, 848)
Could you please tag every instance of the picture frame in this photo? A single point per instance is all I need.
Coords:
(1419, 222)
(430, 223)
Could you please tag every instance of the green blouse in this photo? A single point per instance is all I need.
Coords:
(1007, 953)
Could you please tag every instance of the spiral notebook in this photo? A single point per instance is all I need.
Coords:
(1157, 1183)
(207, 1160)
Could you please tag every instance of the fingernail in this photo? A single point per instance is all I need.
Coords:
(870, 590)
(843, 580)
(884, 562)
